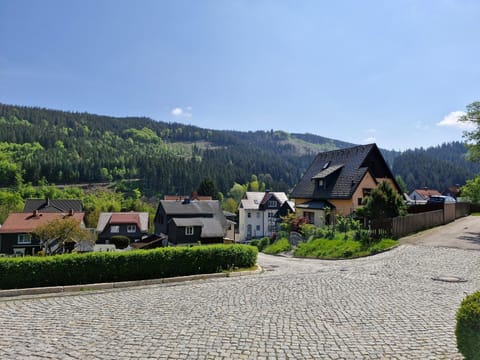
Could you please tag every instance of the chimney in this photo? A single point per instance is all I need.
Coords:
(35, 213)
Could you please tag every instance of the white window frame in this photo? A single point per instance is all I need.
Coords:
(24, 239)
(189, 230)
(131, 228)
(114, 229)
(272, 203)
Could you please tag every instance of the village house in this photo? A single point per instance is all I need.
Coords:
(338, 181)
(16, 232)
(192, 222)
(259, 215)
(133, 225)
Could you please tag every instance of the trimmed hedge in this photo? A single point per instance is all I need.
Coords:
(468, 327)
(73, 269)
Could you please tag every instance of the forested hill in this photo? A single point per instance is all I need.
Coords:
(168, 158)
(173, 158)
(436, 167)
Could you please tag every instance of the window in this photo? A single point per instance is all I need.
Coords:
(271, 214)
(249, 215)
(189, 230)
(131, 228)
(272, 203)
(24, 239)
(114, 228)
(359, 201)
(309, 216)
(258, 215)
(258, 227)
(326, 165)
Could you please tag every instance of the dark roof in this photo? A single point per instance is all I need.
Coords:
(52, 206)
(204, 208)
(342, 170)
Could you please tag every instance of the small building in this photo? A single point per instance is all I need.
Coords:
(191, 222)
(258, 214)
(16, 232)
(421, 196)
(133, 225)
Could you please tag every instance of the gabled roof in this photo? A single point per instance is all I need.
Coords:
(55, 205)
(343, 170)
(255, 199)
(108, 218)
(425, 193)
(17, 223)
(194, 209)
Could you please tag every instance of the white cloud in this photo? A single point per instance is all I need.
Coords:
(179, 112)
(452, 120)
(369, 140)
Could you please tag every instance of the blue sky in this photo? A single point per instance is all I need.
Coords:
(393, 72)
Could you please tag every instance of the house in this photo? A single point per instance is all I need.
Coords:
(258, 214)
(16, 232)
(191, 222)
(421, 196)
(54, 205)
(338, 181)
(133, 225)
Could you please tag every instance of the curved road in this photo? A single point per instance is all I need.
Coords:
(383, 307)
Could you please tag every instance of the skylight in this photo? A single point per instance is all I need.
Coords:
(326, 165)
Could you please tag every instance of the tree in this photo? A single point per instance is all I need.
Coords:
(230, 205)
(61, 231)
(384, 202)
(472, 190)
(208, 188)
(473, 116)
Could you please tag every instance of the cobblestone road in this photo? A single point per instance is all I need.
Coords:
(382, 307)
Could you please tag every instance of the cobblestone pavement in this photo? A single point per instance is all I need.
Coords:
(382, 307)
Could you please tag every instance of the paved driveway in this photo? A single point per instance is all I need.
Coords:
(382, 307)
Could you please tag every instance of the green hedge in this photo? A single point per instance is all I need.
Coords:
(101, 267)
(468, 327)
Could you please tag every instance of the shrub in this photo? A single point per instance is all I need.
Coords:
(468, 327)
(120, 241)
(277, 247)
(261, 243)
(122, 266)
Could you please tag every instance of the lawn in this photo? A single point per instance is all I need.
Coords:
(339, 248)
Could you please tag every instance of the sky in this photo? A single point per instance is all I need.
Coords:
(398, 73)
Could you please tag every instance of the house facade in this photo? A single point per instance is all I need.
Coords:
(338, 181)
(133, 225)
(16, 232)
(191, 222)
(258, 214)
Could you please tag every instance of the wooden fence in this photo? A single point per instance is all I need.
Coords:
(417, 221)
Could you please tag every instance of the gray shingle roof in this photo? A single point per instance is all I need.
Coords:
(54, 206)
(346, 169)
(195, 209)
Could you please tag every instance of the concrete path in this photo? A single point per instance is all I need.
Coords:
(463, 233)
(383, 307)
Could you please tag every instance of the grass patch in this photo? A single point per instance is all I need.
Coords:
(339, 248)
(277, 247)
(475, 214)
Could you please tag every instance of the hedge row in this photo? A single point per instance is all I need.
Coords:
(101, 267)
(468, 327)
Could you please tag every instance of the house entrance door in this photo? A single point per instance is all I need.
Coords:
(249, 231)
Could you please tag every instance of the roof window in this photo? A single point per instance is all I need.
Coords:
(326, 165)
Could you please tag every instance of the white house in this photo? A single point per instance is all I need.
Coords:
(258, 214)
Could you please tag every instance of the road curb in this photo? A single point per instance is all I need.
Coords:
(9, 293)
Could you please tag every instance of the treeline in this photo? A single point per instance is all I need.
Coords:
(168, 158)
(436, 167)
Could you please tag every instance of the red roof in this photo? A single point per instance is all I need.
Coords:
(125, 218)
(27, 222)
(426, 193)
